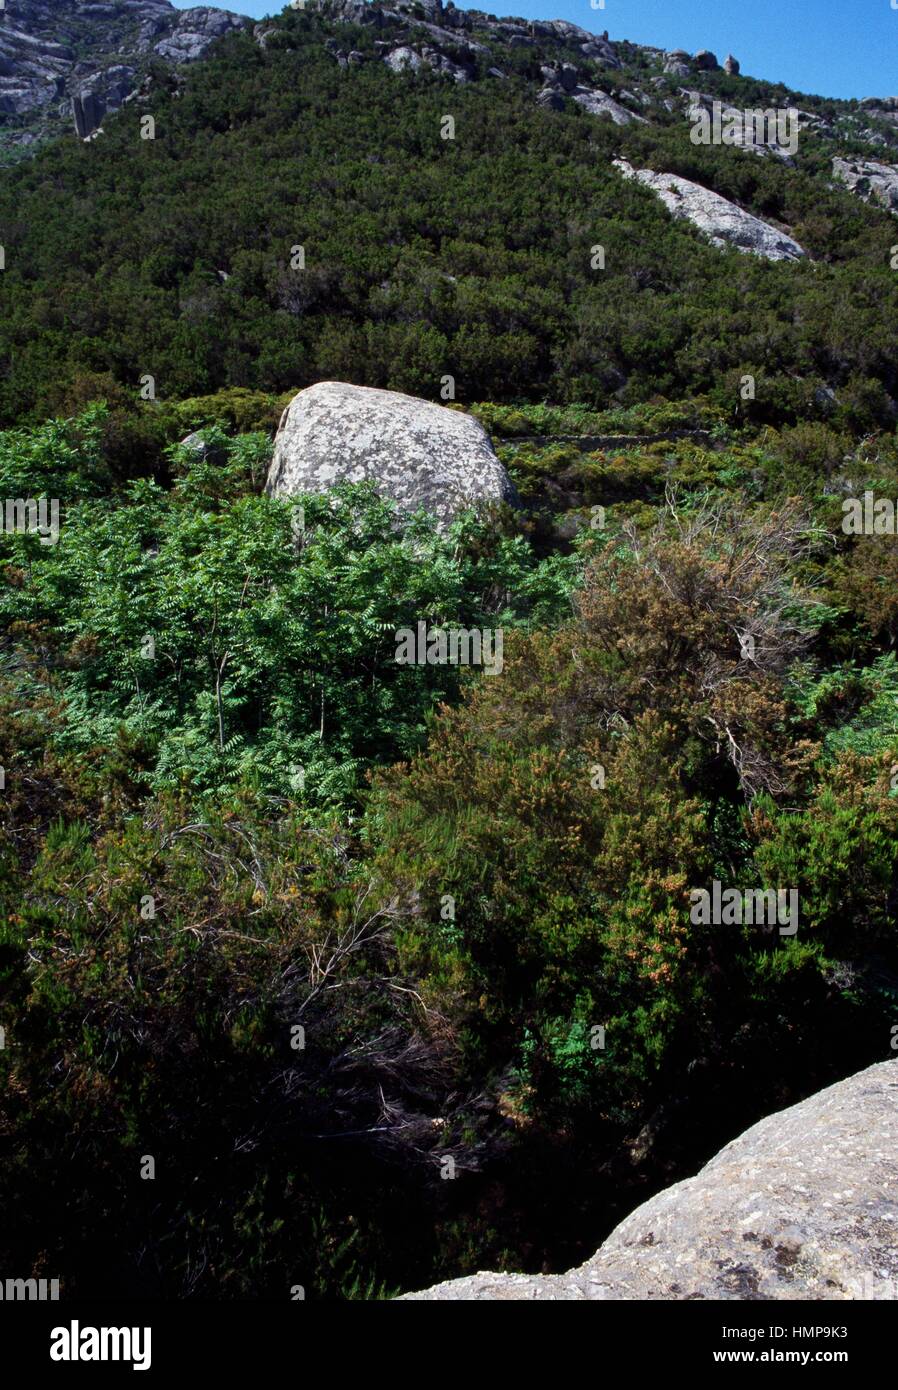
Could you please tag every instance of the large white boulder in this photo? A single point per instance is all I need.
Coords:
(723, 222)
(417, 453)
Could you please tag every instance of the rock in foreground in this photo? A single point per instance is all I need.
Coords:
(804, 1205)
(416, 453)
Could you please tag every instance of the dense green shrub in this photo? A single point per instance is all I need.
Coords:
(492, 951)
(621, 762)
(203, 623)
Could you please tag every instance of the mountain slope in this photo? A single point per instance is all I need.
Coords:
(228, 807)
(473, 256)
(54, 51)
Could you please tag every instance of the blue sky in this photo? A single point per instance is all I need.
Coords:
(839, 48)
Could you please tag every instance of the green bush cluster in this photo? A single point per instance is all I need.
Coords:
(476, 899)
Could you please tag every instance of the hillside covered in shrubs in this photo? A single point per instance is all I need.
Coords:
(391, 970)
(473, 255)
(448, 883)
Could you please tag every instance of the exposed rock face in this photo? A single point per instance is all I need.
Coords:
(598, 47)
(873, 182)
(447, 28)
(723, 222)
(54, 51)
(598, 103)
(678, 62)
(417, 453)
(404, 59)
(804, 1205)
(705, 60)
(601, 51)
(200, 446)
(755, 130)
(562, 80)
(88, 111)
(731, 65)
(551, 98)
(433, 9)
(193, 32)
(564, 76)
(886, 108)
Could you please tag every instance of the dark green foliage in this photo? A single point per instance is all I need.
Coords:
(566, 813)
(470, 256)
(485, 912)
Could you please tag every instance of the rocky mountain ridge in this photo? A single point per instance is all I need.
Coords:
(57, 56)
(69, 62)
(56, 50)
